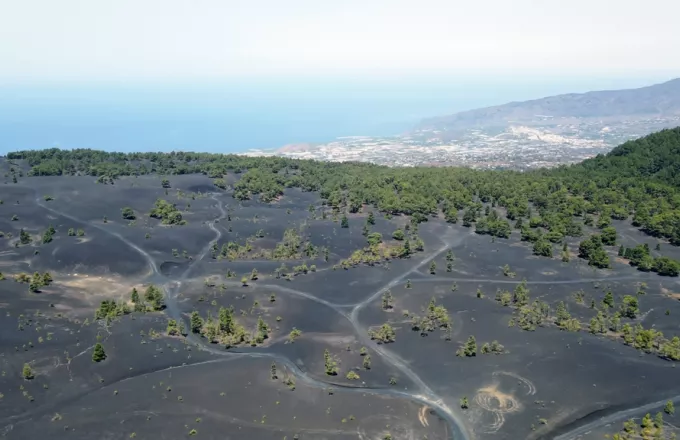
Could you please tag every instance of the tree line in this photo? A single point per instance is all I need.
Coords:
(637, 181)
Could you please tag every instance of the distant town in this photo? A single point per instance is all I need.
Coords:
(540, 143)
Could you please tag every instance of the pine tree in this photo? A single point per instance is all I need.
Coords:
(658, 420)
(262, 330)
(134, 296)
(196, 322)
(226, 320)
(172, 329)
(329, 364)
(627, 331)
(565, 257)
(34, 285)
(471, 347)
(387, 300)
(595, 326)
(46, 279)
(669, 408)
(615, 322)
(273, 371)
(561, 314)
(344, 223)
(367, 362)
(98, 353)
(608, 299)
(433, 267)
(520, 295)
(27, 372)
(24, 237)
(371, 219)
(630, 427)
(407, 248)
(157, 302)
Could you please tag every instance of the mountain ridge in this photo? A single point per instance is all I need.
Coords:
(661, 100)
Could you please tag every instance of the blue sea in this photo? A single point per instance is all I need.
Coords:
(240, 115)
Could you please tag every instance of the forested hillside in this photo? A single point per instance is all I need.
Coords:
(637, 180)
(656, 156)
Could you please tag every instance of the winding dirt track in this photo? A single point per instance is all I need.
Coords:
(617, 417)
(424, 395)
(545, 282)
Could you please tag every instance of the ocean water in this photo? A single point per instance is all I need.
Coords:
(241, 115)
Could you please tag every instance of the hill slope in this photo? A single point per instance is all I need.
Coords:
(655, 156)
(656, 100)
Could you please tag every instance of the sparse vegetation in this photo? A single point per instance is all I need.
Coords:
(352, 375)
(48, 235)
(547, 207)
(330, 365)
(669, 408)
(167, 212)
(469, 349)
(294, 334)
(436, 316)
(128, 213)
(387, 300)
(592, 250)
(384, 334)
(492, 348)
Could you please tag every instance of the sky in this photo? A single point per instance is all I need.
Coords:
(205, 40)
(228, 75)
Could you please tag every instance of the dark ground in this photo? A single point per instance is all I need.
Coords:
(549, 384)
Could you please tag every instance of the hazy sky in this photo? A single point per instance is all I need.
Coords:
(201, 39)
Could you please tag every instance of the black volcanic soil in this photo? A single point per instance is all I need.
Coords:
(549, 384)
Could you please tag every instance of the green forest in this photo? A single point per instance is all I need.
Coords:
(638, 181)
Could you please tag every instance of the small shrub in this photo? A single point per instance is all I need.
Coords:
(351, 375)
(27, 372)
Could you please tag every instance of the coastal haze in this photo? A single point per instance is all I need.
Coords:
(521, 135)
